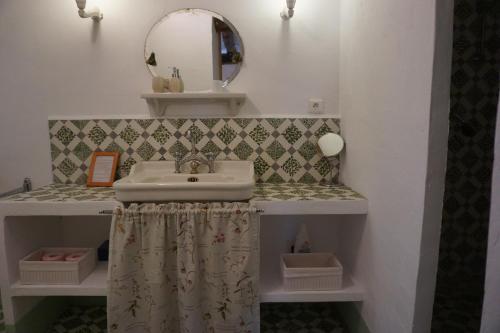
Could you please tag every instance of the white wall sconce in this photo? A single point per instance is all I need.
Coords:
(288, 12)
(93, 13)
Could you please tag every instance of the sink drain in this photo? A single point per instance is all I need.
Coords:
(193, 179)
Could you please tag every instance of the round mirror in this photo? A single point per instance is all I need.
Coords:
(331, 144)
(203, 45)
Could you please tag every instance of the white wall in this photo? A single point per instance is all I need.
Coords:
(387, 50)
(491, 306)
(54, 63)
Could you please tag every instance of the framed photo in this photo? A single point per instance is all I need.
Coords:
(103, 169)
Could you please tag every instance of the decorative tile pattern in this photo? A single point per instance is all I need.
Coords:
(464, 233)
(2, 322)
(456, 309)
(300, 317)
(81, 320)
(303, 192)
(275, 318)
(262, 192)
(283, 149)
(64, 193)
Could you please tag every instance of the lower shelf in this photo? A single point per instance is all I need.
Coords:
(271, 290)
(93, 285)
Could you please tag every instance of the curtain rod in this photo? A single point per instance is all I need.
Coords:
(110, 212)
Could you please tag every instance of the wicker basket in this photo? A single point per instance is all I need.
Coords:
(35, 271)
(311, 272)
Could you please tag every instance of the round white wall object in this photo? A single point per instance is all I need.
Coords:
(331, 144)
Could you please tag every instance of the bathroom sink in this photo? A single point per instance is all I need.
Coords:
(157, 181)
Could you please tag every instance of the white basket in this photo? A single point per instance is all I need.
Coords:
(35, 271)
(311, 272)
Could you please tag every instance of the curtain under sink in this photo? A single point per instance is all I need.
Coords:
(184, 267)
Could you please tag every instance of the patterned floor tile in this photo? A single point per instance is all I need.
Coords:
(275, 318)
(81, 320)
(2, 323)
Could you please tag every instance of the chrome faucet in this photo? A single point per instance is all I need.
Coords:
(194, 159)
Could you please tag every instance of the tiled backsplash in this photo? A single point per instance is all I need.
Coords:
(283, 149)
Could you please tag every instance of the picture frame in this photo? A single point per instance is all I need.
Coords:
(102, 170)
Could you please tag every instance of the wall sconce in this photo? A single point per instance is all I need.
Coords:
(288, 12)
(93, 13)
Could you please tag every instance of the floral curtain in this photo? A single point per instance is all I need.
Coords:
(184, 267)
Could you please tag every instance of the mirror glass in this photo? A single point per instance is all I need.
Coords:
(203, 45)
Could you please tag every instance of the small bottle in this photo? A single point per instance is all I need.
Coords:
(175, 83)
(180, 78)
(302, 243)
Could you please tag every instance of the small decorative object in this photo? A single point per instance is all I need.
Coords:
(160, 84)
(302, 243)
(151, 61)
(103, 169)
(331, 145)
(176, 85)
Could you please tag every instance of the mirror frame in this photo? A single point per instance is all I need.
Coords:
(233, 28)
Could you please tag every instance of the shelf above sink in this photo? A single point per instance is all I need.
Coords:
(159, 102)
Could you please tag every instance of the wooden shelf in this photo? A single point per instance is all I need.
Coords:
(159, 102)
(272, 291)
(94, 285)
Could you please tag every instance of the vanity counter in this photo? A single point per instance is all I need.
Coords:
(274, 199)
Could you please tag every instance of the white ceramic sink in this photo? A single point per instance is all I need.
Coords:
(157, 181)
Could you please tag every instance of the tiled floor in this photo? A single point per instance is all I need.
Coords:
(2, 324)
(275, 318)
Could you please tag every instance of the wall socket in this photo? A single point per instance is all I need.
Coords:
(316, 106)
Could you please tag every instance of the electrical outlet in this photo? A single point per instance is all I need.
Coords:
(316, 106)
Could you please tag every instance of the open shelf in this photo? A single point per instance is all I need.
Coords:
(94, 285)
(273, 292)
(159, 102)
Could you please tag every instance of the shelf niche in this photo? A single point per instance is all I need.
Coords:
(159, 102)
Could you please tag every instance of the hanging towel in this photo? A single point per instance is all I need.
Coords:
(184, 267)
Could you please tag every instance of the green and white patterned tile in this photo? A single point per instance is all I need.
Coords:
(226, 134)
(243, 150)
(279, 190)
(288, 146)
(146, 151)
(82, 151)
(97, 135)
(161, 134)
(129, 135)
(65, 135)
(292, 134)
(259, 134)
